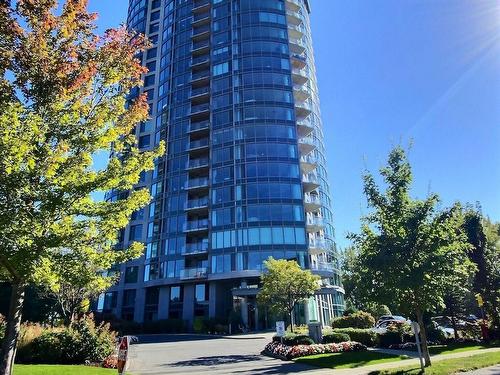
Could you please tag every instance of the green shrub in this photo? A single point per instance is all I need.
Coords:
(335, 337)
(364, 336)
(390, 337)
(359, 319)
(292, 339)
(98, 341)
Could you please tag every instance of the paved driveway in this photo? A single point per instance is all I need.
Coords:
(193, 354)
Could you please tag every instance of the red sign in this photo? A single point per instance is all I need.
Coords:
(123, 354)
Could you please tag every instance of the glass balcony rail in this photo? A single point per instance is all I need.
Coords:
(196, 182)
(194, 273)
(307, 141)
(195, 203)
(298, 45)
(200, 44)
(300, 72)
(200, 108)
(309, 159)
(315, 221)
(312, 199)
(303, 107)
(200, 4)
(200, 125)
(294, 4)
(200, 90)
(322, 266)
(200, 75)
(201, 17)
(293, 17)
(197, 163)
(199, 143)
(306, 125)
(318, 243)
(195, 248)
(201, 30)
(196, 225)
(310, 179)
(200, 60)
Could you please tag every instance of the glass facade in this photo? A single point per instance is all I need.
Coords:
(232, 91)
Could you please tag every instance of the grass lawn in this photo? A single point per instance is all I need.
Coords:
(60, 370)
(349, 359)
(456, 348)
(448, 366)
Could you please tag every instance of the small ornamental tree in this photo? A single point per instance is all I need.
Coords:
(62, 100)
(284, 285)
(409, 253)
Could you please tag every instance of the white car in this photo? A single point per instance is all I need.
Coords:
(388, 320)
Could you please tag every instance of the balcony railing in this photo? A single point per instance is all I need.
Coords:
(195, 203)
(201, 29)
(196, 183)
(201, 17)
(312, 199)
(195, 248)
(196, 225)
(200, 108)
(200, 4)
(322, 266)
(201, 44)
(199, 143)
(200, 125)
(194, 273)
(200, 91)
(315, 221)
(318, 243)
(200, 59)
(200, 75)
(197, 163)
(310, 179)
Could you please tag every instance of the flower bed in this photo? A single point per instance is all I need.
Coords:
(276, 349)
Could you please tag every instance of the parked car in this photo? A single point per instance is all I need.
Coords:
(387, 321)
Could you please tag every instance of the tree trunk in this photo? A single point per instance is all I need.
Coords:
(290, 314)
(454, 325)
(12, 329)
(423, 337)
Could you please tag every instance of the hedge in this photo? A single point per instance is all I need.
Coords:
(364, 336)
(292, 339)
(359, 319)
(335, 337)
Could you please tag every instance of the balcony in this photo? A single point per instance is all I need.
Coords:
(308, 163)
(201, 19)
(198, 127)
(200, 61)
(310, 182)
(299, 76)
(323, 268)
(200, 47)
(201, 6)
(199, 163)
(297, 46)
(196, 204)
(301, 93)
(295, 32)
(305, 127)
(194, 273)
(293, 5)
(306, 145)
(198, 144)
(200, 109)
(196, 183)
(314, 224)
(298, 61)
(195, 248)
(200, 93)
(201, 32)
(198, 77)
(196, 225)
(312, 202)
(317, 246)
(293, 18)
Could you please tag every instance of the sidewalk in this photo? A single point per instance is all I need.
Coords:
(365, 370)
(493, 370)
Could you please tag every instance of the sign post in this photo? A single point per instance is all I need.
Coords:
(280, 329)
(123, 350)
(416, 330)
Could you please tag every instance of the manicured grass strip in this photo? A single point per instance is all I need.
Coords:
(455, 348)
(448, 366)
(349, 359)
(60, 370)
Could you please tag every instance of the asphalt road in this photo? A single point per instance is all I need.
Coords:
(196, 354)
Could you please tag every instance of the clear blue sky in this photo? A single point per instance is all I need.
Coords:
(393, 70)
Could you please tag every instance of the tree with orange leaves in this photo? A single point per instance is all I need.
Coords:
(63, 98)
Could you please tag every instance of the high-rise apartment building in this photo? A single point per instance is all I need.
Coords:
(232, 91)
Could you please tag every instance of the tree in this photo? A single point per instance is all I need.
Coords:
(63, 99)
(409, 252)
(284, 285)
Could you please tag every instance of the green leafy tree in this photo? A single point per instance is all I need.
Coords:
(63, 100)
(284, 285)
(409, 252)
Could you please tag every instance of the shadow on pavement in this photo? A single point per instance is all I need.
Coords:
(160, 338)
(217, 360)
